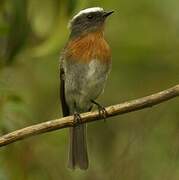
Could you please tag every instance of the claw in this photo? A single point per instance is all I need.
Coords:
(102, 111)
(77, 118)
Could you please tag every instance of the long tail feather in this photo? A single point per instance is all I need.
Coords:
(78, 156)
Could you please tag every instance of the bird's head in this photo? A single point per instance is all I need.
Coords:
(88, 20)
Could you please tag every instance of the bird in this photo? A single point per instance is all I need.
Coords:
(85, 63)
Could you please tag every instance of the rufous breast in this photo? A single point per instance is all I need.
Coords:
(89, 47)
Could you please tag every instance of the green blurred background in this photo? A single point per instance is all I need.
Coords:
(144, 37)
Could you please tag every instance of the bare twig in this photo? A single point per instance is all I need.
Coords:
(114, 110)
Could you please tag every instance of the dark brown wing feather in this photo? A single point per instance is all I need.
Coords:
(64, 105)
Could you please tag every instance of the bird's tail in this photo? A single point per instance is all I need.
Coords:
(78, 156)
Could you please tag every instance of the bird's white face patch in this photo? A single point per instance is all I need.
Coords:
(86, 11)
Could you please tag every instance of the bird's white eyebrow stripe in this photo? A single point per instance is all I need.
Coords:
(88, 10)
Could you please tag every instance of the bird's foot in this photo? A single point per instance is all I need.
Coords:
(102, 111)
(77, 118)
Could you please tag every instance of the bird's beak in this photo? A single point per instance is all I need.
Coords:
(106, 14)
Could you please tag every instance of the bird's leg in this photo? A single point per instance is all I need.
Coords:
(77, 117)
(102, 111)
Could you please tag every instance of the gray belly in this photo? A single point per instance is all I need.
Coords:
(83, 83)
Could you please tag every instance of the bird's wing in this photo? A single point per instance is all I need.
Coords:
(65, 108)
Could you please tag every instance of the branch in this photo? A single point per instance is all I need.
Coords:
(114, 110)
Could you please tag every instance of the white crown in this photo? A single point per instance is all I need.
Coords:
(86, 11)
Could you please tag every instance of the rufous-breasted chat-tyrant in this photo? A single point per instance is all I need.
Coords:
(84, 67)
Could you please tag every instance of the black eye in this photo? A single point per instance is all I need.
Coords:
(90, 16)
